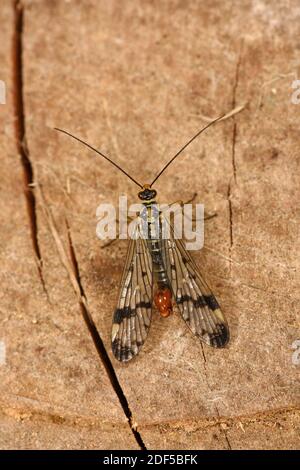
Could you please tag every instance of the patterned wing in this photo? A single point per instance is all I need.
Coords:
(198, 306)
(132, 317)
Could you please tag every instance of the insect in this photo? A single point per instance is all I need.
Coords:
(160, 272)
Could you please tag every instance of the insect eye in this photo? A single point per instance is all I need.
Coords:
(147, 194)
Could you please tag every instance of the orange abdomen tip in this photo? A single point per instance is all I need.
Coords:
(163, 301)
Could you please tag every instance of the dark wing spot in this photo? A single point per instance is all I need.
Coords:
(202, 301)
(143, 305)
(121, 313)
(220, 338)
(118, 316)
(183, 298)
(128, 312)
(124, 353)
(211, 302)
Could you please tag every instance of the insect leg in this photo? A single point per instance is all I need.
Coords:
(207, 215)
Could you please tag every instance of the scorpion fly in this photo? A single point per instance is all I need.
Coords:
(160, 272)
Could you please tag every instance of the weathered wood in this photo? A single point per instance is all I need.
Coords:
(136, 80)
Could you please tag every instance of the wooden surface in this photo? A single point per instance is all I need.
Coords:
(137, 79)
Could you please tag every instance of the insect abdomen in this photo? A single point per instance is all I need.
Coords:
(163, 301)
(158, 267)
(163, 295)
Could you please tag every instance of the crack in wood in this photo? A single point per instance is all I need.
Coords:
(20, 134)
(230, 224)
(72, 267)
(233, 157)
(100, 345)
(20, 408)
(223, 429)
(234, 130)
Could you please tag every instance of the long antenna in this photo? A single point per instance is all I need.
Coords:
(100, 153)
(185, 146)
